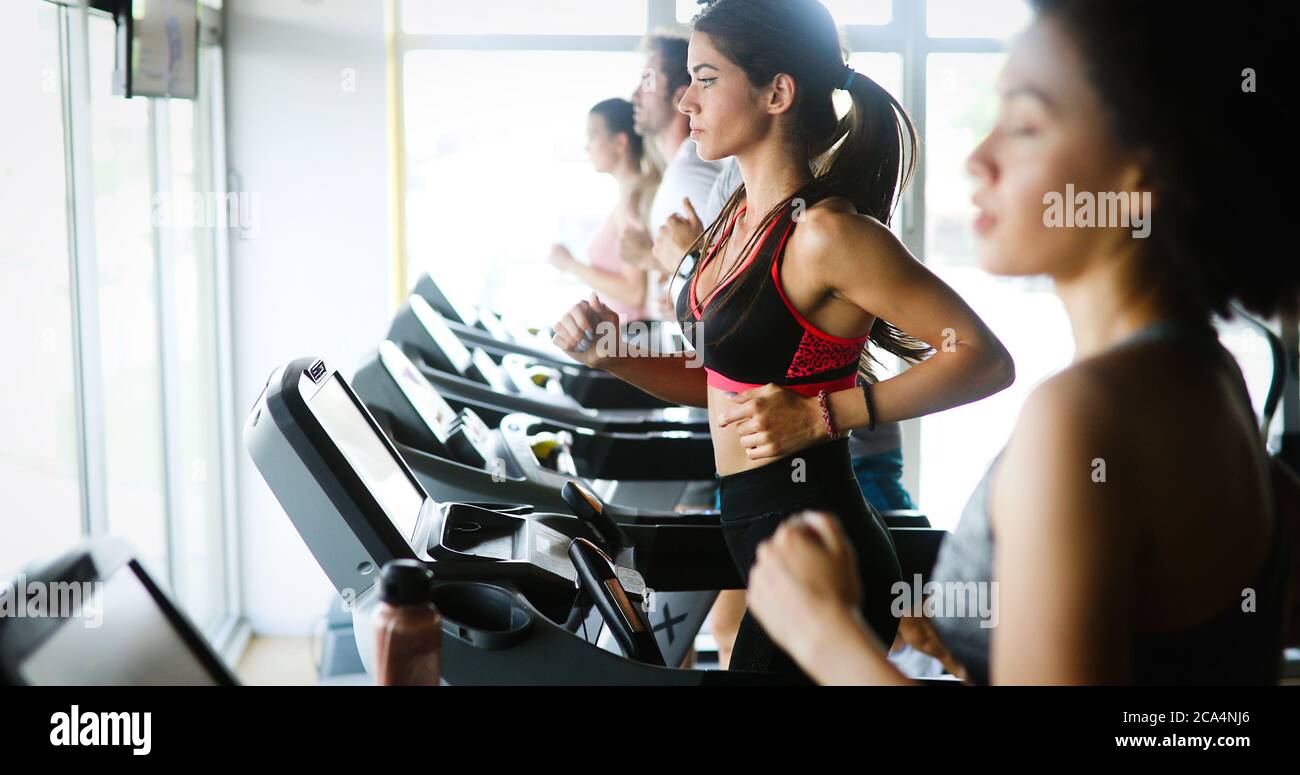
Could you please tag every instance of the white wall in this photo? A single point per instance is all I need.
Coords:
(313, 276)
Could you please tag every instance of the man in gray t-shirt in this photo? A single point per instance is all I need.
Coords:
(686, 179)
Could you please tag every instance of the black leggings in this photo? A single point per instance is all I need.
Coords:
(755, 502)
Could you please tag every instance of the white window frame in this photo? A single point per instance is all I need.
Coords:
(229, 634)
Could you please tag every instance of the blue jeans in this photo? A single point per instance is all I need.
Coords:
(881, 479)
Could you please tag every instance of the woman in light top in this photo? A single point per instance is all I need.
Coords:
(615, 149)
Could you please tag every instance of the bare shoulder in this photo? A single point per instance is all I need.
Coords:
(1073, 419)
(1097, 391)
(1065, 440)
(1068, 423)
(832, 234)
(1068, 398)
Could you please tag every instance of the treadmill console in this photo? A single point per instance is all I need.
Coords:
(444, 347)
(489, 372)
(350, 495)
(492, 324)
(485, 534)
(446, 306)
(462, 435)
(380, 472)
(357, 504)
(448, 353)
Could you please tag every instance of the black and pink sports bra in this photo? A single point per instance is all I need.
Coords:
(778, 344)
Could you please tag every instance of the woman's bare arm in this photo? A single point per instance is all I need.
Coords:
(1066, 557)
(844, 652)
(670, 377)
(861, 260)
(593, 327)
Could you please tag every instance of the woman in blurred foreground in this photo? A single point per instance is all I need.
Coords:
(1134, 528)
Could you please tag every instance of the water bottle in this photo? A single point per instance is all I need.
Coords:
(408, 627)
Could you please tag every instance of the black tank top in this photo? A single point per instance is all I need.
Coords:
(777, 344)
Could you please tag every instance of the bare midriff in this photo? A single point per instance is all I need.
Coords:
(728, 454)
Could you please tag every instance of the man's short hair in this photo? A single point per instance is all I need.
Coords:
(671, 48)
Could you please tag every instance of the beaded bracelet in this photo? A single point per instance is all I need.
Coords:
(826, 415)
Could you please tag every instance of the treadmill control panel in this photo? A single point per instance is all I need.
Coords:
(463, 434)
(443, 337)
(490, 372)
(432, 408)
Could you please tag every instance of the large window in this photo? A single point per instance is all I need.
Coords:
(991, 19)
(506, 17)
(128, 308)
(497, 172)
(111, 302)
(957, 445)
(198, 545)
(39, 459)
(844, 11)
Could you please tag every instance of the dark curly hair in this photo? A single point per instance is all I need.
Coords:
(1173, 81)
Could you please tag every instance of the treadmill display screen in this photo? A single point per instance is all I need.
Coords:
(445, 339)
(468, 315)
(379, 470)
(431, 407)
(132, 641)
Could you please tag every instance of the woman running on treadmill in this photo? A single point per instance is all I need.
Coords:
(616, 149)
(1134, 529)
(800, 272)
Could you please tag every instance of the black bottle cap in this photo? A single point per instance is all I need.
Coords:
(405, 582)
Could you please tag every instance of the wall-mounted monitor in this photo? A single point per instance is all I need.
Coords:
(157, 48)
